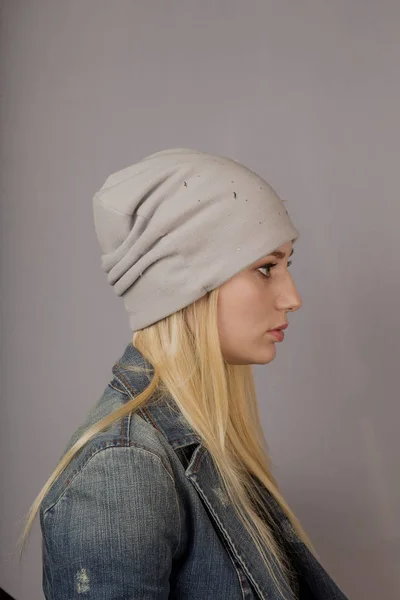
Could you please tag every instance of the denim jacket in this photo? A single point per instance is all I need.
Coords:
(139, 513)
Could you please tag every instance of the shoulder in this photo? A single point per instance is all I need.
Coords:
(130, 442)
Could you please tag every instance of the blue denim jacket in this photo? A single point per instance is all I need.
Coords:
(139, 513)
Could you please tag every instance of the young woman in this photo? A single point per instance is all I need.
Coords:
(166, 490)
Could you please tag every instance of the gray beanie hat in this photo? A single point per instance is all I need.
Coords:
(178, 224)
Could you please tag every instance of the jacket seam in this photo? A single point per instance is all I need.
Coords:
(106, 447)
(240, 579)
(117, 389)
(124, 382)
(124, 391)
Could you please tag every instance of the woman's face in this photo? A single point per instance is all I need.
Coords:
(252, 303)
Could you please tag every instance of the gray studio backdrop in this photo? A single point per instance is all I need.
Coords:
(308, 94)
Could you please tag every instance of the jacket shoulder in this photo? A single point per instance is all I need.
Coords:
(130, 431)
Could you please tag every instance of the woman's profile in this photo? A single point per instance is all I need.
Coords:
(166, 489)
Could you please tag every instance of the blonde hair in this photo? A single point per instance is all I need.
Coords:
(219, 402)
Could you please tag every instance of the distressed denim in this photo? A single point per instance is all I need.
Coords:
(139, 513)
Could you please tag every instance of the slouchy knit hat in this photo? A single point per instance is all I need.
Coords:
(178, 224)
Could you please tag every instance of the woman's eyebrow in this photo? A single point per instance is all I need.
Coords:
(279, 254)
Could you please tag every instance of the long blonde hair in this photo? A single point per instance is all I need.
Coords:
(218, 401)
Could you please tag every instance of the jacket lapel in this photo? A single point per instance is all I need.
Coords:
(204, 476)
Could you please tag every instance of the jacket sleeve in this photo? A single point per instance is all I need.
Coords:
(114, 530)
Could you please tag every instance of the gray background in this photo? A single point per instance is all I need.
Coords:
(307, 93)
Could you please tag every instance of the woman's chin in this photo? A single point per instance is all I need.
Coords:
(270, 354)
(262, 357)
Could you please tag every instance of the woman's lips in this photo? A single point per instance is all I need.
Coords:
(277, 334)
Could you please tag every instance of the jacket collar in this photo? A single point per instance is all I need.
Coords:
(165, 416)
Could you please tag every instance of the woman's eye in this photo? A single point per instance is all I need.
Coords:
(269, 267)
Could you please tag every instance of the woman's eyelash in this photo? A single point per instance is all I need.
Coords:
(270, 265)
